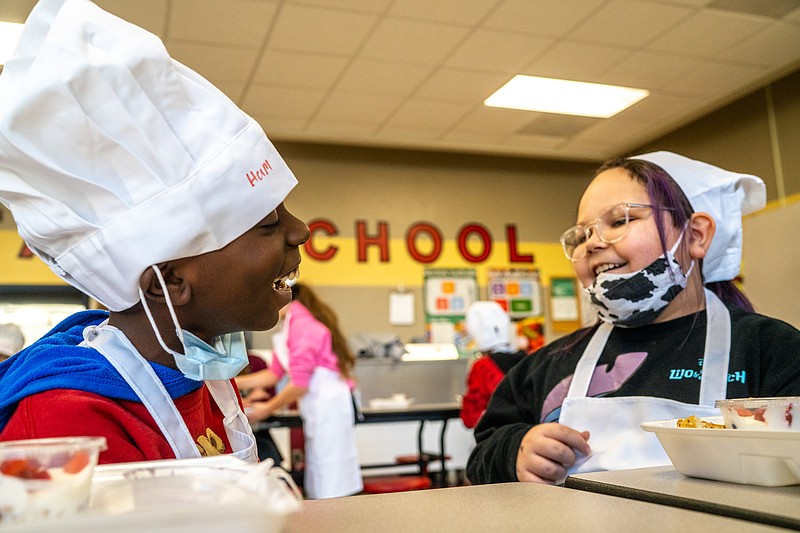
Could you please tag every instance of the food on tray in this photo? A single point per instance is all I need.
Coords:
(779, 414)
(695, 422)
(46, 477)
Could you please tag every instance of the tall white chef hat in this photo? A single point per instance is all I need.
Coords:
(115, 157)
(489, 326)
(724, 195)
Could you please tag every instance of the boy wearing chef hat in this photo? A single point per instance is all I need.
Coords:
(657, 244)
(145, 187)
(489, 326)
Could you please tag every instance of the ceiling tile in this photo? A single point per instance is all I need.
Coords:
(236, 22)
(650, 70)
(448, 11)
(624, 132)
(775, 46)
(278, 127)
(337, 129)
(275, 101)
(708, 32)
(661, 107)
(299, 69)
(543, 17)
(461, 85)
(577, 61)
(556, 125)
(16, 11)
(765, 8)
(428, 114)
(219, 64)
(370, 6)
(716, 80)
(149, 14)
(408, 135)
(647, 20)
(357, 108)
(412, 41)
(493, 120)
(328, 31)
(377, 77)
(497, 51)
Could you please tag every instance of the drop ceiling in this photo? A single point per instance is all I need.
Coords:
(414, 73)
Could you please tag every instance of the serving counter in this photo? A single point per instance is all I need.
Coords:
(504, 507)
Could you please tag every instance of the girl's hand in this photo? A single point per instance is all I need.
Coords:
(548, 450)
(258, 395)
(257, 411)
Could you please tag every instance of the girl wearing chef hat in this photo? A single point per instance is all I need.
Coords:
(144, 186)
(657, 243)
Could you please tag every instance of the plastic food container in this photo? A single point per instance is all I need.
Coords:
(46, 478)
(753, 457)
(774, 414)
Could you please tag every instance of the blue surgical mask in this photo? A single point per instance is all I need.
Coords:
(200, 361)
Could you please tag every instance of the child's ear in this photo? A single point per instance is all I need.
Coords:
(700, 231)
(180, 291)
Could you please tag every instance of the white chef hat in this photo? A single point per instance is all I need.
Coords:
(489, 326)
(11, 339)
(724, 195)
(115, 157)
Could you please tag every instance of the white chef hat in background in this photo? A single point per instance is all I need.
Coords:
(115, 157)
(489, 326)
(724, 195)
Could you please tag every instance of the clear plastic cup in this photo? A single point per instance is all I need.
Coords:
(46, 478)
(774, 414)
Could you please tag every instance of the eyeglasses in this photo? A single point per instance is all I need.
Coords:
(611, 226)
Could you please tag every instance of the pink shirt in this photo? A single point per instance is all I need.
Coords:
(309, 344)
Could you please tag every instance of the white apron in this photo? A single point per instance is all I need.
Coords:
(138, 373)
(616, 439)
(331, 454)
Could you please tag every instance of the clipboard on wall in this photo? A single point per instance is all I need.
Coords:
(565, 315)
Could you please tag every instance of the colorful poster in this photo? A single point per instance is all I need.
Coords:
(448, 292)
(517, 290)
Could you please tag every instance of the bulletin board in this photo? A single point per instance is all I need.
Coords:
(448, 292)
(517, 290)
(565, 313)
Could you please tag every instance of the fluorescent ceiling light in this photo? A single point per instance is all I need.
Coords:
(9, 35)
(548, 95)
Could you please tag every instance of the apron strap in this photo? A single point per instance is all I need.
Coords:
(585, 367)
(714, 383)
(141, 377)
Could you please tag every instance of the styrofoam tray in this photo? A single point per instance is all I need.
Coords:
(754, 457)
(172, 496)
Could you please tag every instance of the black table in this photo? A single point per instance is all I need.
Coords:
(438, 412)
(778, 506)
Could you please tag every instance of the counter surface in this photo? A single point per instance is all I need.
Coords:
(664, 485)
(503, 507)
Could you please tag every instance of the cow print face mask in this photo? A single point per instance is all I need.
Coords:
(637, 298)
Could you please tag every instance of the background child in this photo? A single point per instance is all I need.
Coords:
(144, 186)
(657, 242)
(489, 327)
(315, 353)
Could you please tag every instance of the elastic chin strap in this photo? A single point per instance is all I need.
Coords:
(675, 249)
(153, 325)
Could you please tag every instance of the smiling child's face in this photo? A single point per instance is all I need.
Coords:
(238, 288)
(641, 245)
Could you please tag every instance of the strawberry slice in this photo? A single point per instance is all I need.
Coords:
(77, 462)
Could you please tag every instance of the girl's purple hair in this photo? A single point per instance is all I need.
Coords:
(665, 193)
